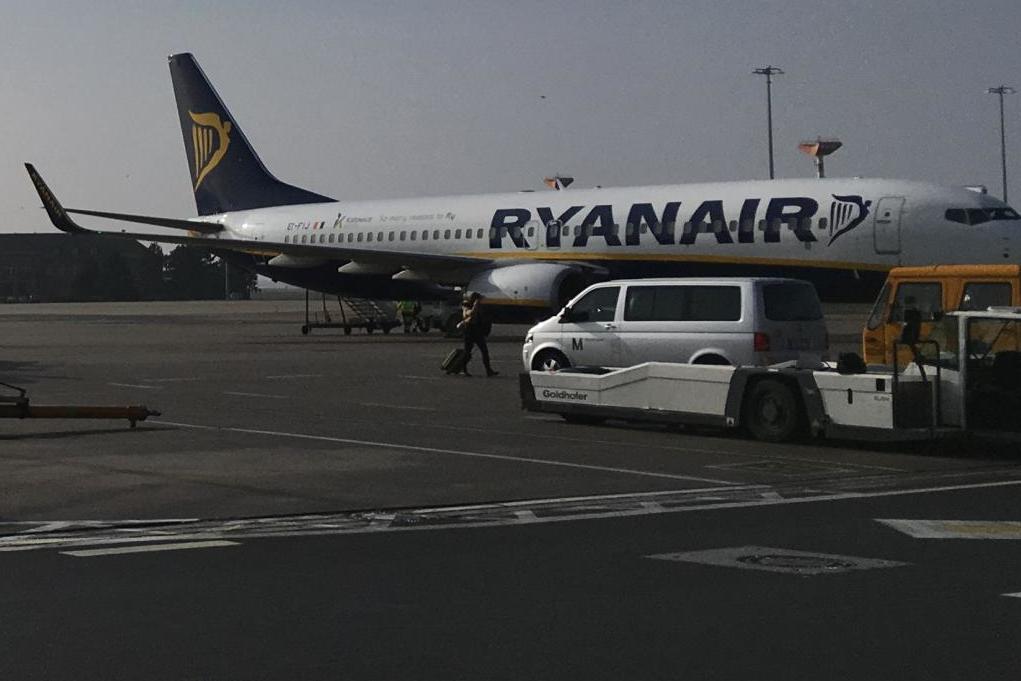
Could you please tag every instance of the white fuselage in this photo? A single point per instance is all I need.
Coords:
(762, 222)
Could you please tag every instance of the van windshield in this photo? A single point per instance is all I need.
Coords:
(791, 302)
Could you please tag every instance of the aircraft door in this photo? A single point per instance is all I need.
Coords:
(886, 233)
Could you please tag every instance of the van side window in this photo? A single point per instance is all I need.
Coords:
(683, 303)
(598, 306)
(713, 303)
(640, 304)
(791, 302)
(985, 295)
(926, 297)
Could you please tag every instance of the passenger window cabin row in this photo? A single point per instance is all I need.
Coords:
(801, 225)
(370, 237)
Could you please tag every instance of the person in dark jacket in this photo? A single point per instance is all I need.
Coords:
(476, 324)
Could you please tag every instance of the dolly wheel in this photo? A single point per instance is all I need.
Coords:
(773, 413)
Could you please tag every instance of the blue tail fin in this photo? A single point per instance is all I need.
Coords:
(226, 173)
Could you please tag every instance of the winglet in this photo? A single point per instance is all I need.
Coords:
(58, 216)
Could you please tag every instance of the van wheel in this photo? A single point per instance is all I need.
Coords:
(773, 413)
(550, 360)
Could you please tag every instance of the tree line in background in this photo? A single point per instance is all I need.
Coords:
(182, 274)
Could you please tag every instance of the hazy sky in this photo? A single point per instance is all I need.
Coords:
(376, 99)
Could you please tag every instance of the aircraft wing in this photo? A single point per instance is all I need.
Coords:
(61, 219)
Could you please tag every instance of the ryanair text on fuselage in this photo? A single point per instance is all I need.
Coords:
(708, 218)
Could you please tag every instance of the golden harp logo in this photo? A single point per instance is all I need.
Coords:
(210, 138)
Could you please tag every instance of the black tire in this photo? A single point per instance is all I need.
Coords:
(550, 360)
(772, 412)
(386, 330)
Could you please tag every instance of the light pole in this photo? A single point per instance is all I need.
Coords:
(769, 72)
(1002, 90)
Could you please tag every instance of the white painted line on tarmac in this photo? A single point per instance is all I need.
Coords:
(173, 380)
(554, 501)
(284, 376)
(780, 560)
(538, 511)
(36, 542)
(395, 406)
(1013, 595)
(955, 529)
(455, 452)
(151, 548)
(671, 448)
(134, 385)
(422, 378)
(241, 394)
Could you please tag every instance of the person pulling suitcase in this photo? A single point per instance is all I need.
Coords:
(477, 326)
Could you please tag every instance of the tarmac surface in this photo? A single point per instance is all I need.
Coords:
(333, 506)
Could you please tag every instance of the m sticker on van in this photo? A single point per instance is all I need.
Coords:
(577, 344)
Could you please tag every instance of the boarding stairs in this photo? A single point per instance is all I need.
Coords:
(355, 313)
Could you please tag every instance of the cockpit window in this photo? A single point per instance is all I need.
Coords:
(976, 216)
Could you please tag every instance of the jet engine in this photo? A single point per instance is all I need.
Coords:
(535, 285)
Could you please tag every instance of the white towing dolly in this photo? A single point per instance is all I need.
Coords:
(970, 381)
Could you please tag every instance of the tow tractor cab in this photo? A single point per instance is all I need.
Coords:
(932, 291)
(964, 379)
(723, 321)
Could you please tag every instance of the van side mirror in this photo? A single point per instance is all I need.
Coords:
(912, 328)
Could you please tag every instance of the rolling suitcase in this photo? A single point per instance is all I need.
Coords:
(455, 361)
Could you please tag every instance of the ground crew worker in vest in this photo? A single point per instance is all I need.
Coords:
(476, 324)
(408, 311)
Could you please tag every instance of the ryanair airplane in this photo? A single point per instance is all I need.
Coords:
(527, 252)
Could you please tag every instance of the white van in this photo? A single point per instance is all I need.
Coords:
(737, 321)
